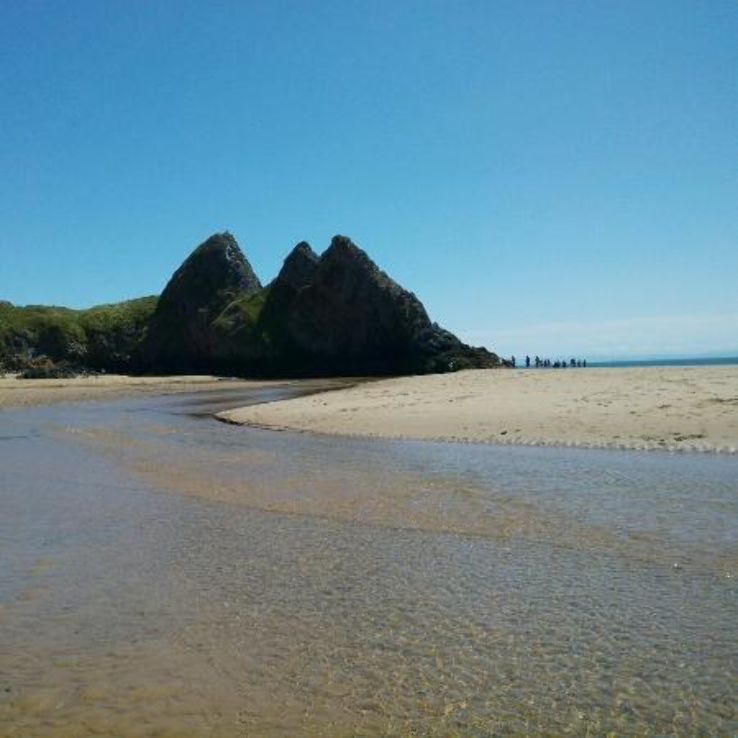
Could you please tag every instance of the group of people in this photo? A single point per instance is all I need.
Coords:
(547, 363)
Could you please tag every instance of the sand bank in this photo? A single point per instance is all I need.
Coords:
(673, 408)
(26, 392)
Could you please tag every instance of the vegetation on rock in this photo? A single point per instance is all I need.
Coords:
(105, 337)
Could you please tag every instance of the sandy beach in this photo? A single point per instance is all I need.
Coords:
(28, 392)
(670, 408)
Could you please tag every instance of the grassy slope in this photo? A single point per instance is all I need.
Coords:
(104, 336)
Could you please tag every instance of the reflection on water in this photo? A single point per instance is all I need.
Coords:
(299, 585)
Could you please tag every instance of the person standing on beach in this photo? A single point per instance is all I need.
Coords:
(527, 362)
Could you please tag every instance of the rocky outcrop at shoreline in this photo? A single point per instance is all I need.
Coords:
(337, 313)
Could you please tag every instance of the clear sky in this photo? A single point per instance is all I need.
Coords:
(554, 177)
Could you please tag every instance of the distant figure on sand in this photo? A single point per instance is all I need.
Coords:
(527, 362)
(512, 361)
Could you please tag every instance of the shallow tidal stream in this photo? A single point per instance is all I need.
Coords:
(164, 574)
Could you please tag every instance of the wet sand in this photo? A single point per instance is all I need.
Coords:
(16, 392)
(670, 408)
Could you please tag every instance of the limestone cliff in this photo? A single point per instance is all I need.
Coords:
(340, 313)
(332, 314)
(181, 334)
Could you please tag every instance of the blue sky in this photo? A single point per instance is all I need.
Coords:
(548, 177)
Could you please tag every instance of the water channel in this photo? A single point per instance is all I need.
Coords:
(165, 574)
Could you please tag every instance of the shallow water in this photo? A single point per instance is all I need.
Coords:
(167, 575)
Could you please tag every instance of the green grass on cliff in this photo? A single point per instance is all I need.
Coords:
(243, 311)
(57, 329)
(73, 335)
(34, 318)
(120, 316)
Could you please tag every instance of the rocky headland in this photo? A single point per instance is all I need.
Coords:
(336, 313)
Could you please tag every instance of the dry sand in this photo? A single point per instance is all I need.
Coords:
(25, 392)
(674, 408)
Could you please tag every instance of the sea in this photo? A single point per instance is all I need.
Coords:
(702, 361)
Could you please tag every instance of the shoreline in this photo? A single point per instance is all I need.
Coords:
(672, 409)
(528, 443)
(21, 393)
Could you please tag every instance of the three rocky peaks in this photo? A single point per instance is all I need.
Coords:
(323, 315)
(330, 314)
